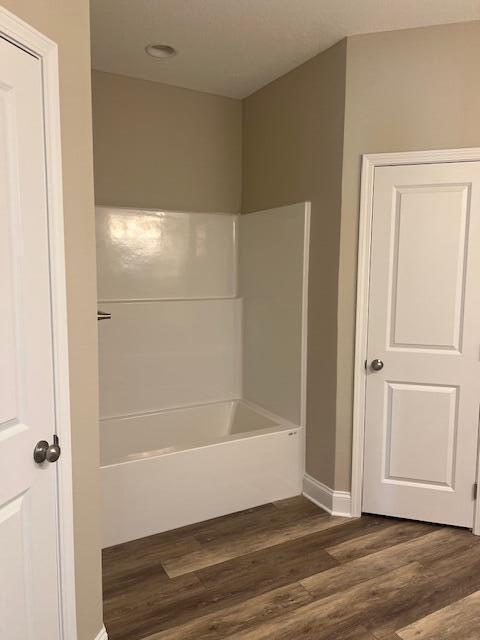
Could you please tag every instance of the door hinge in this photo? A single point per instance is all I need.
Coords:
(475, 490)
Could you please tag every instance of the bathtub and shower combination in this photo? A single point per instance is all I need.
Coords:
(202, 364)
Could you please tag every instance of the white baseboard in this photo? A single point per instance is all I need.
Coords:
(102, 635)
(337, 503)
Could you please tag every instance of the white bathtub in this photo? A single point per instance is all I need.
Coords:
(172, 468)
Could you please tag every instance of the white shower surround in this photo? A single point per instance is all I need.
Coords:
(178, 444)
(180, 353)
(169, 279)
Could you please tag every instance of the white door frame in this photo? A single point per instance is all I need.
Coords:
(369, 163)
(28, 38)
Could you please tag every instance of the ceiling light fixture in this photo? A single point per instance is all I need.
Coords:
(160, 51)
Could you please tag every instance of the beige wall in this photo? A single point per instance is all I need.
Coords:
(293, 141)
(67, 23)
(159, 146)
(405, 90)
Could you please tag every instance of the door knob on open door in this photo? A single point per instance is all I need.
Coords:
(376, 365)
(44, 451)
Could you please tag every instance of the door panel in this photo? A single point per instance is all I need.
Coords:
(13, 560)
(29, 596)
(424, 415)
(422, 408)
(8, 341)
(432, 217)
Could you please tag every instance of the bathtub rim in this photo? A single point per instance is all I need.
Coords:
(281, 424)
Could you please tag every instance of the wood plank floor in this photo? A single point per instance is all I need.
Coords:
(289, 571)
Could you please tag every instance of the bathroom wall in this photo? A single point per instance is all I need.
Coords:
(169, 280)
(293, 152)
(161, 146)
(304, 135)
(273, 268)
(405, 90)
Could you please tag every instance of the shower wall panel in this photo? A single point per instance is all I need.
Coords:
(174, 339)
(157, 355)
(273, 273)
(152, 255)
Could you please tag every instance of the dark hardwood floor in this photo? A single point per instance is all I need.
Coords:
(289, 571)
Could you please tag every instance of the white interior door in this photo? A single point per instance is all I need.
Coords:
(422, 407)
(29, 593)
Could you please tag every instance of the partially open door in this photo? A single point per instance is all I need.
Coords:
(29, 556)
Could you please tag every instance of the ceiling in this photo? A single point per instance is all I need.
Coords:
(234, 47)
